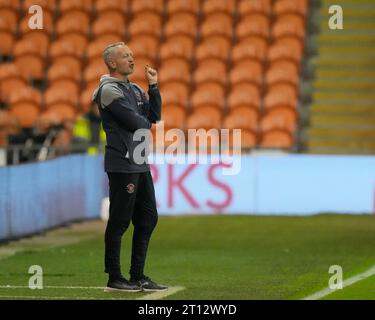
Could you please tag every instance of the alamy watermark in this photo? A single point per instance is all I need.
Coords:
(200, 146)
(335, 281)
(336, 21)
(36, 280)
(36, 20)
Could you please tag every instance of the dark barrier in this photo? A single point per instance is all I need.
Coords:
(38, 196)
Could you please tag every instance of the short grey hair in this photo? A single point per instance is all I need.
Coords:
(108, 51)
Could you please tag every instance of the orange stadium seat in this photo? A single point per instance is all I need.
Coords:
(95, 48)
(10, 4)
(8, 125)
(62, 48)
(113, 5)
(174, 70)
(11, 85)
(286, 65)
(70, 70)
(282, 72)
(205, 118)
(79, 41)
(280, 99)
(248, 134)
(239, 119)
(279, 119)
(244, 95)
(217, 24)
(41, 38)
(175, 94)
(70, 62)
(66, 111)
(56, 94)
(246, 7)
(173, 117)
(121, 6)
(284, 87)
(8, 20)
(73, 22)
(211, 70)
(257, 25)
(248, 141)
(276, 139)
(86, 96)
(156, 6)
(47, 119)
(181, 24)
(249, 48)
(49, 6)
(109, 23)
(147, 23)
(293, 44)
(145, 47)
(178, 6)
(26, 113)
(11, 79)
(291, 6)
(246, 71)
(218, 6)
(242, 118)
(289, 25)
(213, 47)
(208, 95)
(9, 70)
(31, 66)
(71, 87)
(284, 51)
(7, 42)
(26, 47)
(93, 72)
(74, 5)
(177, 47)
(26, 94)
(48, 24)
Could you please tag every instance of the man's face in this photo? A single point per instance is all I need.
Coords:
(123, 60)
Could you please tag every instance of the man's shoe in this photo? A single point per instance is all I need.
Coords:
(148, 285)
(122, 285)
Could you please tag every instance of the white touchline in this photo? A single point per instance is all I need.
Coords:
(325, 292)
(51, 287)
(162, 294)
(24, 297)
(149, 296)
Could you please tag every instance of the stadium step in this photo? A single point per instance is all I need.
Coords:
(342, 108)
(342, 112)
(341, 133)
(351, 97)
(341, 146)
(344, 85)
(342, 120)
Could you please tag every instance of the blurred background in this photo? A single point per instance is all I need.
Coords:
(272, 68)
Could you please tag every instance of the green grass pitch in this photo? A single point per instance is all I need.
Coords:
(212, 257)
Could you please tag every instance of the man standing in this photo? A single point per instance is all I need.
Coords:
(125, 108)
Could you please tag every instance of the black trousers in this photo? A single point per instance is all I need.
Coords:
(132, 199)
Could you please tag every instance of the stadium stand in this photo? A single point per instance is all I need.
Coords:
(342, 116)
(221, 63)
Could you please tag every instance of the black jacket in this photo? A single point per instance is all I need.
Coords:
(125, 108)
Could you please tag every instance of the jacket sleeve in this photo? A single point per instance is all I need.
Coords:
(154, 102)
(114, 100)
